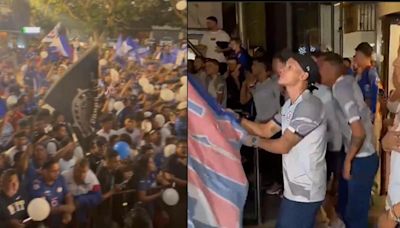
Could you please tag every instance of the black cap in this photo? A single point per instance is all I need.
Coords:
(307, 64)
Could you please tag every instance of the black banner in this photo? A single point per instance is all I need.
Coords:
(75, 96)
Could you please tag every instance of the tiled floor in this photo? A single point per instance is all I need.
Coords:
(271, 204)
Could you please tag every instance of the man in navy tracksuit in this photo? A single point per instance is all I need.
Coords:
(367, 76)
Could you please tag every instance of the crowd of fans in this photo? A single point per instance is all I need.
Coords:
(143, 103)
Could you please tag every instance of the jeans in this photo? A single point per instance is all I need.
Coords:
(355, 194)
(294, 214)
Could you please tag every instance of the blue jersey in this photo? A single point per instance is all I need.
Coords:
(369, 86)
(54, 194)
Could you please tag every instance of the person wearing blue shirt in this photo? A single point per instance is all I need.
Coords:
(241, 54)
(168, 56)
(368, 78)
(146, 182)
(51, 185)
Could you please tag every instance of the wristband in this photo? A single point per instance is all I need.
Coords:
(254, 141)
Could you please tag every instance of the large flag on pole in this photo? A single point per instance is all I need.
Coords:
(58, 38)
(217, 184)
(75, 96)
(52, 34)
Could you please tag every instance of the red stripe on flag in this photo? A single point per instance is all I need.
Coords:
(210, 129)
(225, 213)
(218, 163)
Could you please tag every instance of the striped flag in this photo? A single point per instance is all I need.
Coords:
(52, 34)
(217, 184)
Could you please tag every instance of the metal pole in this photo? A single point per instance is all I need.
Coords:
(257, 185)
(333, 26)
(242, 31)
(342, 26)
(289, 29)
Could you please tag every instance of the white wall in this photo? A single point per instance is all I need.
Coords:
(394, 45)
(199, 11)
(337, 32)
(326, 26)
(351, 40)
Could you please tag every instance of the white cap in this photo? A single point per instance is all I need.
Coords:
(182, 105)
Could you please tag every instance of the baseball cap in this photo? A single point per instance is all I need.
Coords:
(307, 64)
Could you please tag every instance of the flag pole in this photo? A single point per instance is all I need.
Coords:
(257, 185)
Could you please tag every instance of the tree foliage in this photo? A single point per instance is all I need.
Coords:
(100, 17)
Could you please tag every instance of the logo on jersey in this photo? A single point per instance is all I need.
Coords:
(16, 207)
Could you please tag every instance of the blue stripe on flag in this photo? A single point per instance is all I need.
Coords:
(219, 184)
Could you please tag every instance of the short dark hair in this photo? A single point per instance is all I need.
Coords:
(106, 118)
(213, 61)
(100, 141)
(334, 59)
(264, 61)
(212, 18)
(232, 57)
(236, 40)
(83, 162)
(111, 154)
(6, 175)
(347, 59)
(49, 163)
(57, 127)
(317, 53)
(20, 134)
(365, 48)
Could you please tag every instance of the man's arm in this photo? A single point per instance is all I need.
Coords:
(357, 140)
(265, 130)
(282, 145)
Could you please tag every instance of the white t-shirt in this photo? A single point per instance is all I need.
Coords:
(330, 106)
(67, 165)
(304, 167)
(266, 97)
(136, 135)
(91, 183)
(393, 197)
(107, 135)
(348, 94)
(210, 39)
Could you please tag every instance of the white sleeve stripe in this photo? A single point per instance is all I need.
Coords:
(348, 105)
(354, 119)
(291, 129)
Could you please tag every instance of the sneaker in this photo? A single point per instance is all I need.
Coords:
(274, 189)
